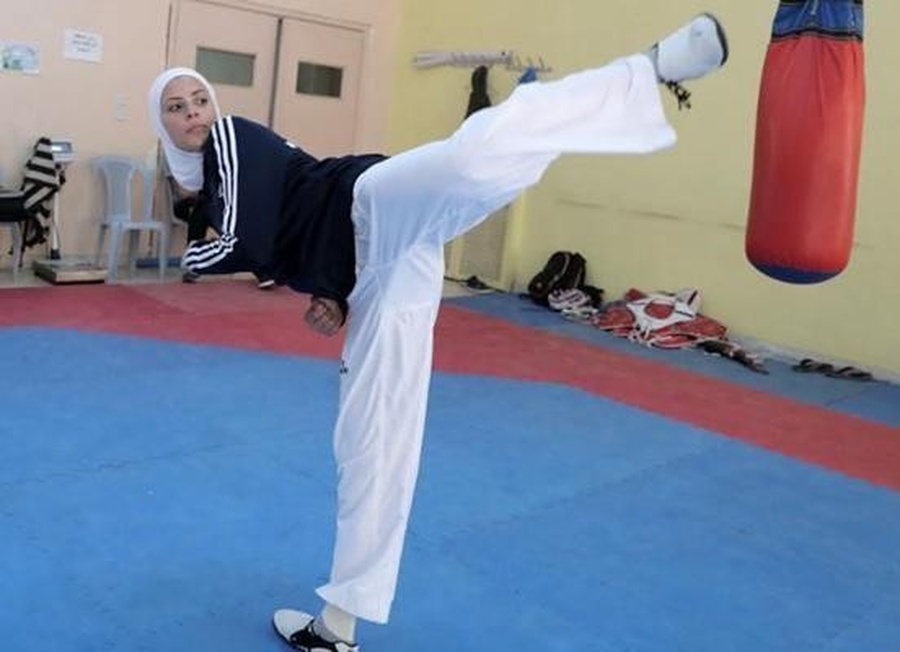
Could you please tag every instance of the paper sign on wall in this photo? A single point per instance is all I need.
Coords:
(20, 57)
(83, 46)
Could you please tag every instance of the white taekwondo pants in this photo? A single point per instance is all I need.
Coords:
(404, 210)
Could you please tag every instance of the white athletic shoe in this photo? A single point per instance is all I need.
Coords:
(296, 628)
(694, 50)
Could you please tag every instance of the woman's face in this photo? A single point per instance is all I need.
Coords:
(187, 113)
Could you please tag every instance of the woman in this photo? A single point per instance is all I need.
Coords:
(364, 236)
(189, 202)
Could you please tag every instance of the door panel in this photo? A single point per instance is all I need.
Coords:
(235, 50)
(319, 73)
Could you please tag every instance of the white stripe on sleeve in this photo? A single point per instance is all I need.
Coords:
(201, 255)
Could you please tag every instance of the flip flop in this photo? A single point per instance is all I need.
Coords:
(732, 351)
(850, 373)
(810, 366)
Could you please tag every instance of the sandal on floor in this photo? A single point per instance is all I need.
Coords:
(850, 373)
(810, 366)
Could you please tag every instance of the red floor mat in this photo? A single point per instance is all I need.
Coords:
(237, 314)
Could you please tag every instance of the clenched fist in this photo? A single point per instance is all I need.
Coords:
(324, 316)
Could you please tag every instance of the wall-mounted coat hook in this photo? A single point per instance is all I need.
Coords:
(473, 58)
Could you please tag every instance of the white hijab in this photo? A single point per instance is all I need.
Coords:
(186, 167)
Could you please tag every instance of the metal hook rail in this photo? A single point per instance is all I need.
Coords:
(472, 58)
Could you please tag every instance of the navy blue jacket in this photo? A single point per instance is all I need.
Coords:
(276, 207)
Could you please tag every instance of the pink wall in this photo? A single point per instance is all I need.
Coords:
(101, 106)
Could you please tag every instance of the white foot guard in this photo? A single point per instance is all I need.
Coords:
(296, 628)
(693, 51)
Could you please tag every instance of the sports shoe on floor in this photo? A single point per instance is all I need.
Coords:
(566, 299)
(190, 277)
(690, 52)
(297, 629)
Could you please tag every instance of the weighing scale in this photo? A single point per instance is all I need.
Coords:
(57, 269)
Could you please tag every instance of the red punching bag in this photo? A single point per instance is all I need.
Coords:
(808, 138)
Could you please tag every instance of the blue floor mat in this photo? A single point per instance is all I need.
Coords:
(161, 496)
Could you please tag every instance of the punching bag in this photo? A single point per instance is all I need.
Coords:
(808, 138)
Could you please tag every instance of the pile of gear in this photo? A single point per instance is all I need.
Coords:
(667, 320)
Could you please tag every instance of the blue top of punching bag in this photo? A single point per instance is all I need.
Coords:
(837, 19)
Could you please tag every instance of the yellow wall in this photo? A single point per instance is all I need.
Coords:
(675, 219)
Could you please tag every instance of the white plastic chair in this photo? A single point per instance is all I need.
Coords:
(167, 196)
(118, 173)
